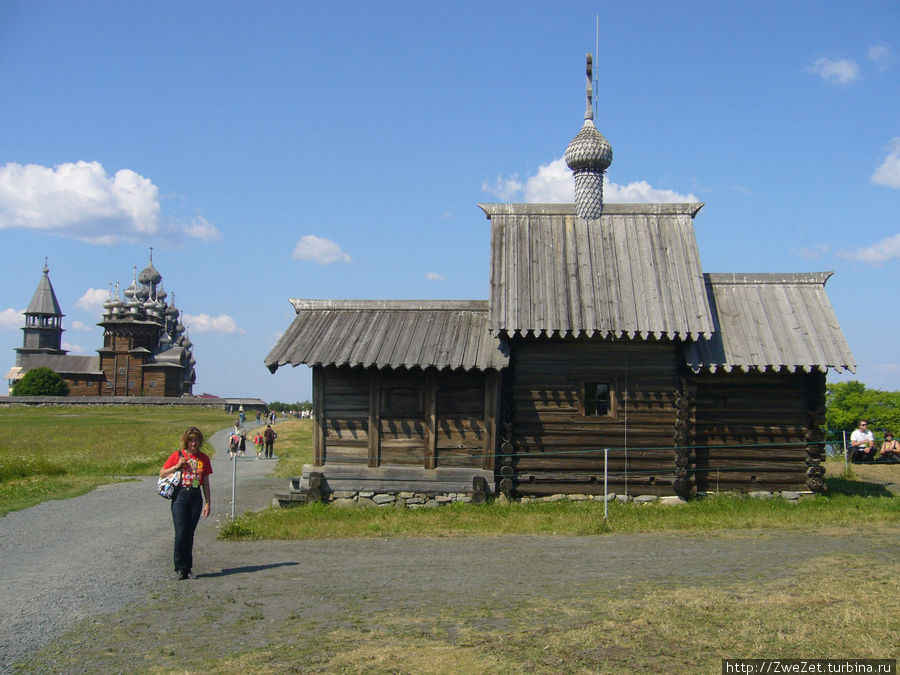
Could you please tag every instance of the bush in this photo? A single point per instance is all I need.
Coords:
(40, 382)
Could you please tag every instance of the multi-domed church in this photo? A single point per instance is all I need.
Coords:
(145, 349)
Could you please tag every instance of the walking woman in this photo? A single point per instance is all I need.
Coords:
(191, 498)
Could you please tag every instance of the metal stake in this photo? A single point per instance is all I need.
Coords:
(233, 482)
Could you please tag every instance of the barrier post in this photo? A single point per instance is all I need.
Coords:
(234, 462)
(846, 453)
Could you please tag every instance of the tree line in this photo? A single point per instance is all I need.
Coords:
(848, 402)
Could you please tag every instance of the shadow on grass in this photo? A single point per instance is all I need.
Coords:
(228, 571)
(857, 488)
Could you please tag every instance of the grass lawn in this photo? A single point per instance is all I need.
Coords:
(855, 498)
(60, 452)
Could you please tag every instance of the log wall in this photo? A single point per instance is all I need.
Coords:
(759, 431)
(404, 418)
(558, 448)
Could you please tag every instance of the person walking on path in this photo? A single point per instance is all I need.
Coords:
(258, 442)
(243, 445)
(192, 497)
(269, 436)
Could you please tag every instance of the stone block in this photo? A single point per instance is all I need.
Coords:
(645, 499)
(364, 502)
(344, 503)
(554, 498)
(367, 493)
(405, 495)
(383, 499)
(578, 498)
(431, 504)
(443, 499)
(343, 494)
(624, 498)
(790, 495)
(760, 494)
(670, 500)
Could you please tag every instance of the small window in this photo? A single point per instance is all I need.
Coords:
(121, 371)
(402, 401)
(598, 399)
(152, 384)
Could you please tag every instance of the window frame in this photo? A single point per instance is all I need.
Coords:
(583, 383)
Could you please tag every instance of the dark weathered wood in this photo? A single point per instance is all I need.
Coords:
(318, 416)
(431, 386)
(491, 412)
(374, 422)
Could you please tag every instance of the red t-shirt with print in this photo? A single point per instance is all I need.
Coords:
(197, 467)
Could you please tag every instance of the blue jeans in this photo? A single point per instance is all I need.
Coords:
(186, 507)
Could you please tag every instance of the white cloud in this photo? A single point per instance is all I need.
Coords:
(434, 276)
(813, 253)
(880, 252)
(317, 249)
(838, 72)
(77, 325)
(889, 172)
(881, 56)
(203, 230)
(642, 191)
(554, 184)
(504, 188)
(12, 318)
(79, 200)
(72, 349)
(92, 300)
(204, 323)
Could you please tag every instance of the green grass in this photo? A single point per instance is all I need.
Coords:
(320, 521)
(60, 452)
(293, 447)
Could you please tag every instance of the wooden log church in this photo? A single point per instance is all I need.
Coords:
(602, 331)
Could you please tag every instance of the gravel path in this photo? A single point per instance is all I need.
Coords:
(95, 555)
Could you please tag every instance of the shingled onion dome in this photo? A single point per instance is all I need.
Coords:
(149, 275)
(589, 155)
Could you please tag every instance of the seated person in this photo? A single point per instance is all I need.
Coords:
(862, 443)
(890, 449)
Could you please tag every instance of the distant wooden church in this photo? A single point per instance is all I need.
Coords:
(145, 349)
(601, 332)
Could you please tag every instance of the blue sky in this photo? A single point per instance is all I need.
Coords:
(338, 150)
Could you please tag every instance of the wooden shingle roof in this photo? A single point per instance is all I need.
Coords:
(771, 322)
(445, 334)
(64, 364)
(635, 271)
(44, 299)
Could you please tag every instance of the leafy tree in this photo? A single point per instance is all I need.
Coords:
(280, 406)
(40, 382)
(848, 402)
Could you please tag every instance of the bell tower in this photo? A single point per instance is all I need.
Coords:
(43, 322)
